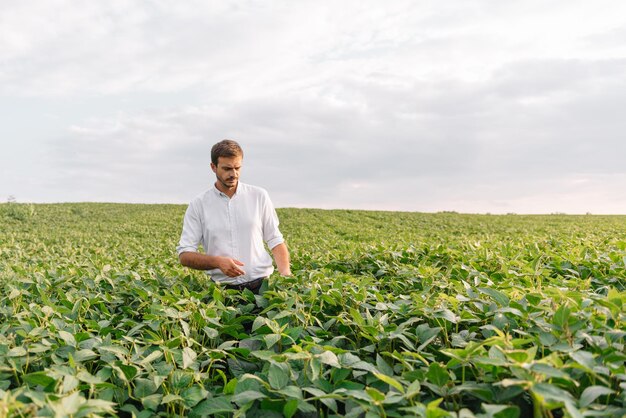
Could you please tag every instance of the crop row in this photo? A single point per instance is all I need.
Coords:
(442, 315)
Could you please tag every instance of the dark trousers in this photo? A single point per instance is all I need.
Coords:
(252, 285)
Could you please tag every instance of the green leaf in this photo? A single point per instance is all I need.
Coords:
(549, 371)
(189, 357)
(390, 381)
(193, 395)
(181, 379)
(482, 391)
(217, 294)
(229, 388)
(434, 411)
(259, 322)
(584, 358)
(278, 375)
(37, 348)
(105, 373)
(212, 333)
(572, 410)
(307, 409)
(214, 406)
(348, 359)
(84, 355)
(561, 316)
(499, 411)
(329, 358)
(271, 339)
(71, 404)
(70, 383)
(38, 378)
(248, 396)
(551, 392)
(100, 406)
(67, 338)
(376, 395)
(85, 376)
(152, 402)
(500, 298)
(592, 393)
(426, 334)
(363, 365)
(547, 338)
(144, 387)
(291, 392)
(437, 375)
(290, 408)
(17, 352)
(383, 367)
(414, 389)
(314, 391)
(129, 372)
(169, 398)
(446, 314)
(155, 355)
(115, 349)
(357, 317)
(313, 369)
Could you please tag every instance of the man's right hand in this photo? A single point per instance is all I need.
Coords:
(230, 267)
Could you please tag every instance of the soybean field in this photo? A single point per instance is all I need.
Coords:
(388, 314)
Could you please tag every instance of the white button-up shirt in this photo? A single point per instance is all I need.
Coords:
(233, 227)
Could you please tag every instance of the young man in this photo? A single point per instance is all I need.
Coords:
(232, 220)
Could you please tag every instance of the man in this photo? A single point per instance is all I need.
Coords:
(232, 220)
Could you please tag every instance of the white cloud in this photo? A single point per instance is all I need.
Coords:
(470, 106)
(64, 48)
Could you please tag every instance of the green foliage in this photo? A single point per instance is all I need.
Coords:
(16, 212)
(387, 315)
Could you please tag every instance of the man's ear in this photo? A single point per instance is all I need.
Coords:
(213, 167)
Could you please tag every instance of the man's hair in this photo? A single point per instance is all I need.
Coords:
(226, 148)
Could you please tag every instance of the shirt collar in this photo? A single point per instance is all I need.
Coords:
(219, 193)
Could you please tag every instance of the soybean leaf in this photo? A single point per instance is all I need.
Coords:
(390, 381)
(551, 392)
(330, 358)
(592, 393)
(437, 374)
(290, 408)
(278, 375)
(152, 402)
(144, 387)
(193, 395)
(39, 378)
(499, 411)
(247, 397)
(213, 406)
(189, 357)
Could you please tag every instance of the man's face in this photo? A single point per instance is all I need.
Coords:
(227, 171)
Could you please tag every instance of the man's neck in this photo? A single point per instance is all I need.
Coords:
(228, 191)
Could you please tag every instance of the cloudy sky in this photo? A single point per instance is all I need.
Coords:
(475, 106)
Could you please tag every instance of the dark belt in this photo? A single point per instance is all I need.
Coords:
(253, 285)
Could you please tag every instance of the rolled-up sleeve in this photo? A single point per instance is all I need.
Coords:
(271, 234)
(192, 231)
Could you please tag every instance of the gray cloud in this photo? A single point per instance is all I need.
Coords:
(367, 140)
(472, 107)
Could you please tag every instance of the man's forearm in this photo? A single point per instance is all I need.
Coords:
(281, 256)
(198, 261)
